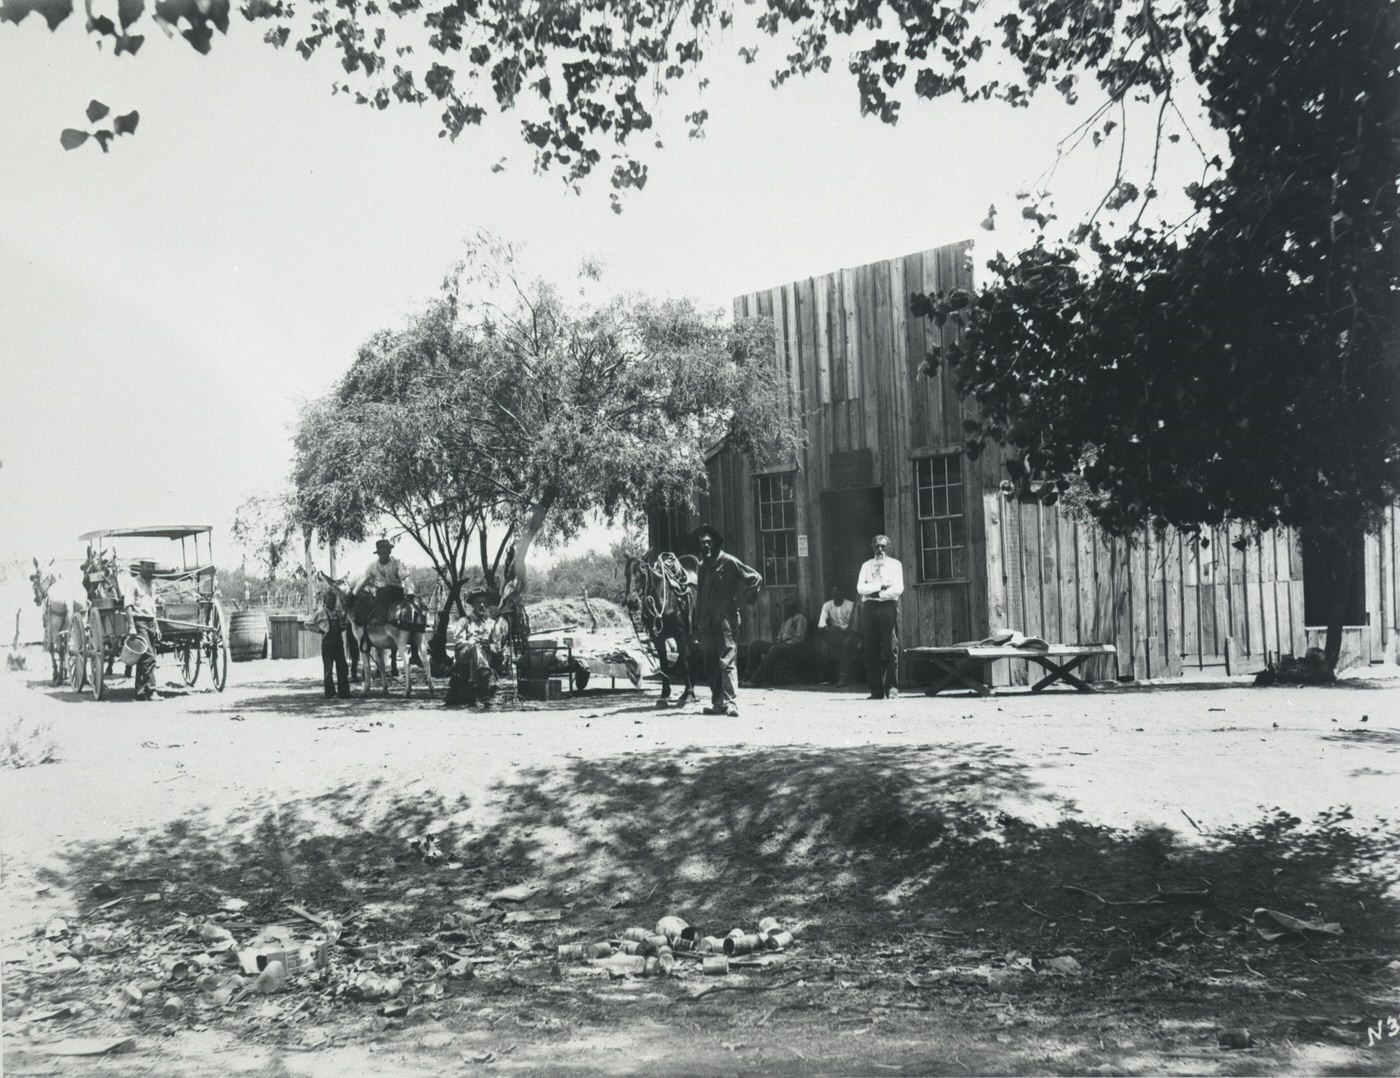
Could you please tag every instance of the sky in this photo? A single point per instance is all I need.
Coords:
(166, 308)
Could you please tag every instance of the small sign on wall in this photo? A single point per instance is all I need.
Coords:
(802, 545)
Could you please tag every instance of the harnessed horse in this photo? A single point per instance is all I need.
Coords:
(660, 598)
(58, 604)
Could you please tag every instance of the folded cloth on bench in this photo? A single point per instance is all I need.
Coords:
(1007, 638)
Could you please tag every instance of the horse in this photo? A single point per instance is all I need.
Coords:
(60, 603)
(402, 630)
(660, 597)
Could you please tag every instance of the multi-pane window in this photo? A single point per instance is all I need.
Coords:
(942, 524)
(777, 529)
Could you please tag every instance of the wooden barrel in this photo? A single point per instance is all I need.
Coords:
(247, 635)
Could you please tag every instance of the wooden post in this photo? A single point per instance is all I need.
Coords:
(310, 574)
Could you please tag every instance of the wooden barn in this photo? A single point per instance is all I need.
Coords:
(885, 454)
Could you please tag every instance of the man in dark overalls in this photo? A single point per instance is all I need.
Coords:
(723, 581)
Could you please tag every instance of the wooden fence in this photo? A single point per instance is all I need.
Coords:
(1228, 600)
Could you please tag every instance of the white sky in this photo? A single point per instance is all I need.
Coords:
(165, 307)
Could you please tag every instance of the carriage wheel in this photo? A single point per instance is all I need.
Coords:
(216, 647)
(190, 656)
(77, 658)
(95, 654)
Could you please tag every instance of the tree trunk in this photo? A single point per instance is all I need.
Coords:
(525, 538)
(1339, 549)
(439, 663)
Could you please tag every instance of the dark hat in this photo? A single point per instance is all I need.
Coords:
(146, 563)
(710, 530)
(383, 544)
(478, 594)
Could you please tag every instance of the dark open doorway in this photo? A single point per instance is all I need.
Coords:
(852, 517)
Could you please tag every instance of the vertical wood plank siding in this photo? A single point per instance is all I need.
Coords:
(851, 352)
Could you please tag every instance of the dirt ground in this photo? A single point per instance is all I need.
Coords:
(934, 857)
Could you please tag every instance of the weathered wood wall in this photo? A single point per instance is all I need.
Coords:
(1228, 600)
(851, 353)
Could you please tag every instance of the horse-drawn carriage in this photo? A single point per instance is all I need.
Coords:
(192, 624)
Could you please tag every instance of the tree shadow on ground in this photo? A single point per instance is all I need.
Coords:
(1388, 740)
(890, 861)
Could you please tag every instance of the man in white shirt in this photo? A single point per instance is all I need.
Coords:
(383, 572)
(836, 623)
(145, 624)
(880, 585)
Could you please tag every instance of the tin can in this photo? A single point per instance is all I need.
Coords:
(715, 965)
(768, 924)
(632, 947)
(597, 950)
(638, 934)
(710, 945)
(570, 952)
(740, 945)
(654, 944)
(665, 960)
(777, 940)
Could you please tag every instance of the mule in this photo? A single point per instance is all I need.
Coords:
(402, 631)
(660, 598)
(60, 603)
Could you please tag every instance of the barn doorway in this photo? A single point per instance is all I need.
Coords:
(852, 518)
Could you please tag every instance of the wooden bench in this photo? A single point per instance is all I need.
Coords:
(967, 667)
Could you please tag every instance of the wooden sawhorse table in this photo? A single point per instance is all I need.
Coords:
(967, 667)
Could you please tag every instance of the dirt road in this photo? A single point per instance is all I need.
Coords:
(568, 794)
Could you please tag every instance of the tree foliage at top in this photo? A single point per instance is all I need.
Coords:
(585, 78)
(1247, 368)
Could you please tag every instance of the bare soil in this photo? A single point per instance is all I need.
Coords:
(934, 858)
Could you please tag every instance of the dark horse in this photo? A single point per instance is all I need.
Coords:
(661, 600)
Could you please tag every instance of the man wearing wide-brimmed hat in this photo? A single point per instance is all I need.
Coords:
(724, 581)
(372, 593)
(145, 626)
(482, 643)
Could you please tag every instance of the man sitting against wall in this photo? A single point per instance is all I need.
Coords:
(791, 646)
(836, 625)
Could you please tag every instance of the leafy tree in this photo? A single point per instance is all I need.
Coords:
(265, 526)
(503, 410)
(1249, 368)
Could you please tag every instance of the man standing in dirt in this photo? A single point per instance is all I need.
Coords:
(880, 585)
(723, 581)
(145, 625)
(330, 621)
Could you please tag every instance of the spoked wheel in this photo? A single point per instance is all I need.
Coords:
(77, 655)
(96, 654)
(216, 647)
(190, 657)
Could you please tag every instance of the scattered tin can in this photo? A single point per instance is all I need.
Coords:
(570, 952)
(777, 940)
(665, 960)
(172, 1008)
(597, 950)
(715, 965)
(638, 934)
(745, 944)
(735, 932)
(1234, 1038)
(632, 947)
(654, 944)
(710, 945)
(768, 924)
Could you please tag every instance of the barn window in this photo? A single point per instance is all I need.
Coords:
(777, 529)
(942, 524)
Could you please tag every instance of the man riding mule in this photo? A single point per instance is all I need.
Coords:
(389, 617)
(59, 604)
(661, 599)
